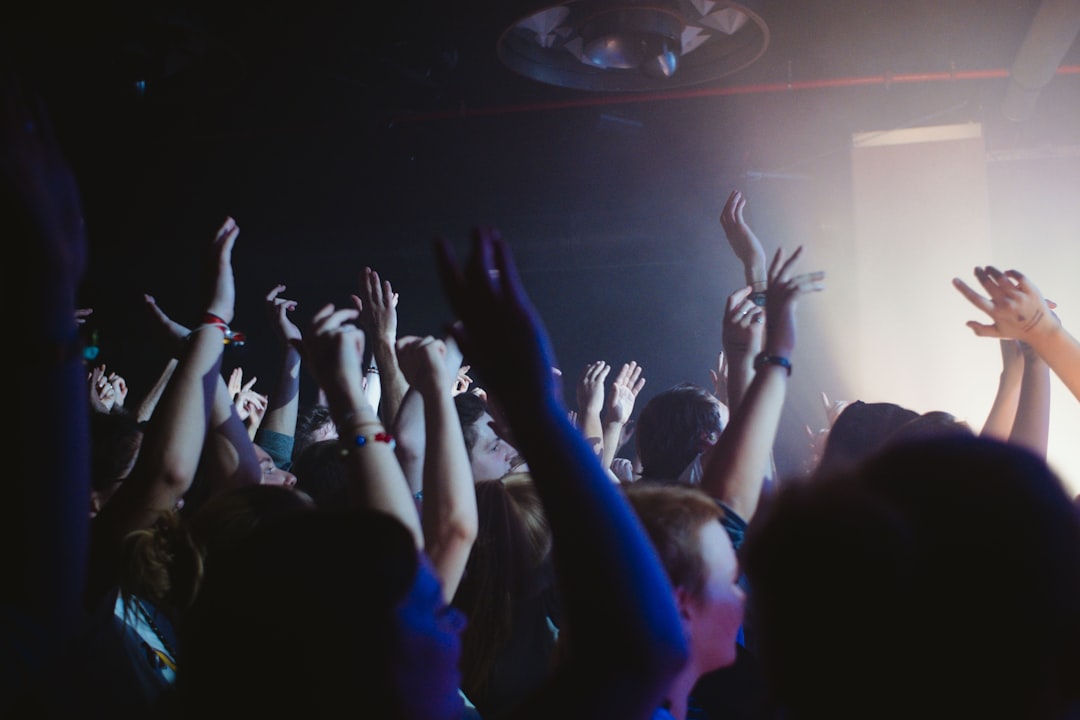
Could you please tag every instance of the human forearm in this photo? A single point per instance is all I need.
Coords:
(1061, 352)
(391, 379)
(604, 592)
(229, 455)
(612, 433)
(1031, 427)
(150, 401)
(410, 433)
(737, 466)
(285, 399)
(376, 481)
(449, 506)
(1002, 415)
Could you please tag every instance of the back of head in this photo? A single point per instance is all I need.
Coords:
(321, 474)
(672, 516)
(935, 423)
(939, 578)
(860, 431)
(166, 562)
(298, 618)
(313, 423)
(672, 428)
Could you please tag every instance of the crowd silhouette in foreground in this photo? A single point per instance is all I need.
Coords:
(420, 545)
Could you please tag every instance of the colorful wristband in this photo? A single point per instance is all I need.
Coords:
(362, 440)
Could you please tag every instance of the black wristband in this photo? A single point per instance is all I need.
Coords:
(764, 359)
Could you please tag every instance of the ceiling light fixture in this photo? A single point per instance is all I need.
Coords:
(633, 45)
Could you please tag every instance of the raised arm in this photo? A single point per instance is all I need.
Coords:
(409, 425)
(334, 350)
(999, 420)
(1018, 310)
(742, 336)
(448, 514)
(174, 437)
(278, 429)
(590, 401)
(624, 639)
(619, 406)
(743, 242)
(378, 312)
(1031, 426)
(734, 472)
(149, 402)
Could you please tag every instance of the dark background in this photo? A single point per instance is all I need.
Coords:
(348, 134)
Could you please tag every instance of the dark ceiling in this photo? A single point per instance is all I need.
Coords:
(342, 134)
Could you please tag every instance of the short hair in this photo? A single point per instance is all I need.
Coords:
(670, 428)
(672, 516)
(470, 408)
(860, 430)
(308, 421)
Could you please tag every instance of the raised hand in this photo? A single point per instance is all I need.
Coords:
(781, 299)
(423, 362)
(222, 299)
(743, 325)
(334, 347)
(832, 408)
(378, 313)
(251, 407)
(235, 382)
(618, 409)
(500, 331)
(741, 336)
(623, 469)
(623, 393)
(463, 381)
(102, 394)
(278, 309)
(120, 389)
(590, 389)
(378, 306)
(742, 239)
(1016, 307)
(719, 377)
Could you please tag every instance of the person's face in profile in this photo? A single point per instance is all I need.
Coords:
(271, 473)
(491, 457)
(716, 613)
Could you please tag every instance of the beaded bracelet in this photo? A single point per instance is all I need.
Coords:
(362, 440)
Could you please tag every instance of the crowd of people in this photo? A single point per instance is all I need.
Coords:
(421, 544)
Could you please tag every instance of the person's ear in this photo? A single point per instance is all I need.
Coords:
(684, 603)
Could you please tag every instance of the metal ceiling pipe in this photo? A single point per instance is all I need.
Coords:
(1052, 32)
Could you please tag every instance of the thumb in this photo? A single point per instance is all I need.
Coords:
(983, 330)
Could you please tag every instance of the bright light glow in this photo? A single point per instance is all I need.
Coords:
(923, 214)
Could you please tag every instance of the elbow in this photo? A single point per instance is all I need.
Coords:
(462, 530)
